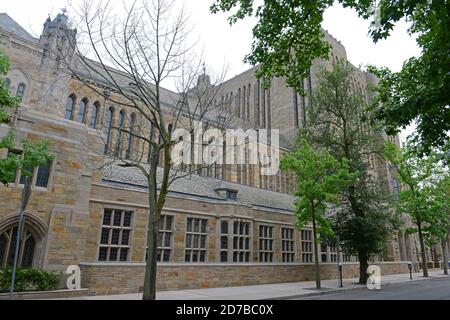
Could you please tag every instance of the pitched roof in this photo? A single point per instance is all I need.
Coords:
(204, 188)
(7, 23)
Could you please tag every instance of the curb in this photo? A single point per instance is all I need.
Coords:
(312, 294)
(325, 292)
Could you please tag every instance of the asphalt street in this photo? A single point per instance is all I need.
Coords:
(433, 289)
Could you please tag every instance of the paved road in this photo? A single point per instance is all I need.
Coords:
(433, 289)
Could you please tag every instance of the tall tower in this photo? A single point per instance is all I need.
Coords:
(58, 40)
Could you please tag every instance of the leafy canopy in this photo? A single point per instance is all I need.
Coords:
(426, 197)
(420, 91)
(320, 178)
(337, 121)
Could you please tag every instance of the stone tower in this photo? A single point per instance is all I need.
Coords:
(58, 40)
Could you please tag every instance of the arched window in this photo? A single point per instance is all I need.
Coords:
(20, 91)
(69, 107)
(119, 132)
(130, 135)
(6, 83)
(8, 246)
(82, 110)
(94, 114)
(121, 119)
(107, 127)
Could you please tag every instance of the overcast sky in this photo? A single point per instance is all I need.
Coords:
(225, 45)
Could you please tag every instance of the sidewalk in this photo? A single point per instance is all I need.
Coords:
(266, 291)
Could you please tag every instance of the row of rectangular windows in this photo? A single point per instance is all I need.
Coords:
(115, 240)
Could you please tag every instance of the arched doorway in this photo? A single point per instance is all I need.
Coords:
(31, 248)
(8, 246)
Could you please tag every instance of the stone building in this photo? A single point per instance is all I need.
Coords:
(218, 228)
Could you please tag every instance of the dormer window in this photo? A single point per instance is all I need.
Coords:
(231, 195)
(226, 193)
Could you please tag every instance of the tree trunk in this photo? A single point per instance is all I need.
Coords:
(153, 229)
(363, 265)
(422, 249)
(445, 255)
(316, 251)
(150, 267)
(363, 256)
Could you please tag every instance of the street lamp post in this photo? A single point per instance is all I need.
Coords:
(26, 192)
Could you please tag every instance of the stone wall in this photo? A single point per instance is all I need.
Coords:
(118, 278)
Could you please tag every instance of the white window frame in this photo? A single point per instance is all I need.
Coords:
(266, 243)
(306, 242)
(237, 251)
(199, 233)
(163, 232)
(112, 227)
(288, 242)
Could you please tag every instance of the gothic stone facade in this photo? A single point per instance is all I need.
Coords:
(78, 215)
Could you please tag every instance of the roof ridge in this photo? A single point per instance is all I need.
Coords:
(9, 24)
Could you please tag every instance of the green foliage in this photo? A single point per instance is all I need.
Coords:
(338, 118)
(287, 38)
(34, 153)
(320, 179)
(28, 279)
(6, 101)
(285, 30)
(420, 90)
(337, 121)
(13, 161)
(426, 197)
(365, 222)
(438, 200)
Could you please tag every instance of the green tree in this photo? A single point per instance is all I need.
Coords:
(419, 92)
(337, 121)
(441, 229)
(320, 178)
(425, 196)
(287, 38)
(437, 230)
(34, 153)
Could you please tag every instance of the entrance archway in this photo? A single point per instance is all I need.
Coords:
(31, 244)
(8, 246)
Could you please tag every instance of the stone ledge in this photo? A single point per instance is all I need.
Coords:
(128, 277)
(53, 294)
